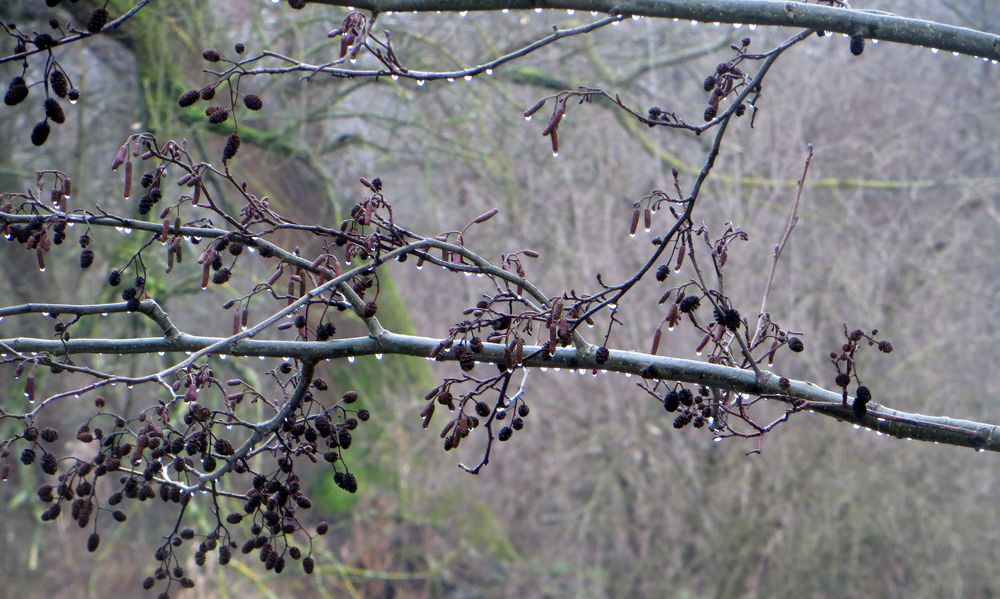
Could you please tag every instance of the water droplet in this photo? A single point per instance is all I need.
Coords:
(463, 13)
(631, 235)
(737, 25)
(395, 77)
(104, 314)
(41, 269)
(555, 154)
(934, 50)
(717, 439)
(538, 10)
(505, 11)
(628, 375)
(698, 353)
(693, 22)
(468, 77)
(980, 450)
(451, 80)
(162, 353)
(752, 26)
(954, 53)
(490, 72)
(527, 118)
(379, 356)
(420, 82)
(544, 368)
(350, 359)
(857, 426)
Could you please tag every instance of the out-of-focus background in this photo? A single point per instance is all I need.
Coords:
(599, 496)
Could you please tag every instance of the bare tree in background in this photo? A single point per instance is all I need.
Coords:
(202, 436)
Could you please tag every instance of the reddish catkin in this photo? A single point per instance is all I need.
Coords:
(656, 340)
(635, 221)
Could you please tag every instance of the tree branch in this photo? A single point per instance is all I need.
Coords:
(871, 24)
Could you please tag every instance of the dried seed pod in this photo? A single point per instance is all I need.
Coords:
(253, 102)
(54, 111)
(218, 116)
(232, 146)
(40, 132)
(59, 83)
(17, 91)
(857, 44)
(98, 19)
(188, 98)
(211, 55)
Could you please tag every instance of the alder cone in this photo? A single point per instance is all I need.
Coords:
(40, 133)
(98, 19)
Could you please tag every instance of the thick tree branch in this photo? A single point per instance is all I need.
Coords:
(873, 25)
(964, 433)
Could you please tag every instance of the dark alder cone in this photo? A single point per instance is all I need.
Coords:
(370, 309)
(40, 133)
(741, 109)
(297, 4)
(602, 355)
(211, 55)
(232, 146)
(864, 394)
(49, 463)
(728, 318)
(481, 408)
(239, 47)
(522, 410)
(671, 401)
(98, 19)
(44, 41)
(221, 276)
(219, 116)
(710, 113)
(308, 564)
(27, 456)
(505, 433)
(92, 542)
(17, 91)
(689, 304)
(73, 95)
(662, 272)
(350, 397)
(885, 347)
(325, 331)
(50, 435)
(253, 102)
(795, 344)
(188, 98)
(857, 44)
(115, 278)
(54, 111)
(59, 84)
(148, 583)
(710, 82)
(843, 380)
(207, 92)
(685, 397)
